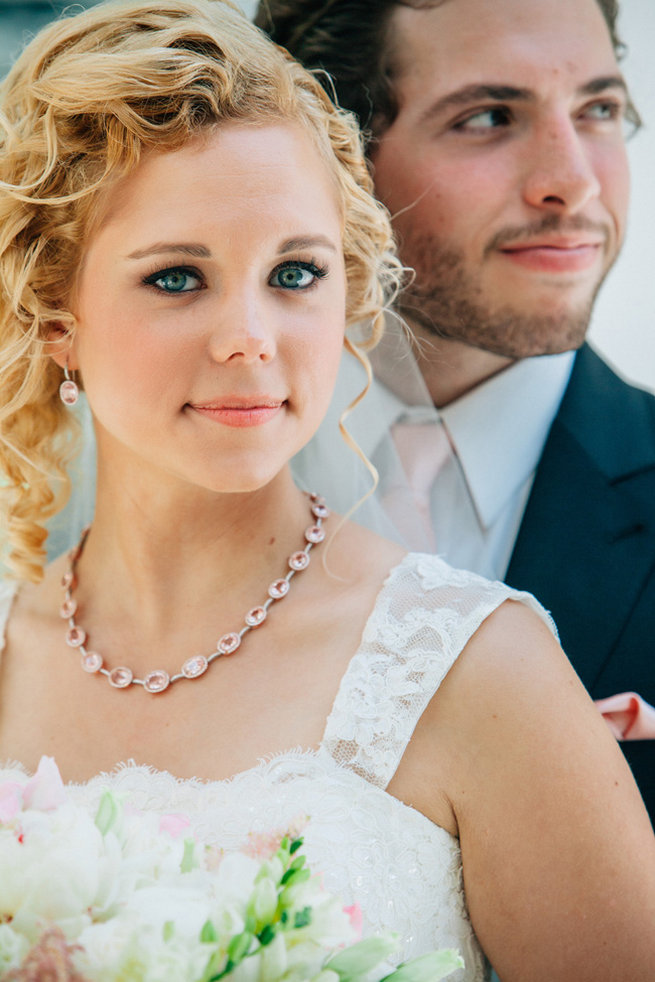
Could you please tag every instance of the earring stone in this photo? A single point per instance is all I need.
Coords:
(69, 392)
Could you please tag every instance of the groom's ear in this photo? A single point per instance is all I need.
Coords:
(61, 346)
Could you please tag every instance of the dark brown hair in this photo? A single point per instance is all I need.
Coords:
(348, 40)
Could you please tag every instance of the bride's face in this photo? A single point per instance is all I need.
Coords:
(211, 307)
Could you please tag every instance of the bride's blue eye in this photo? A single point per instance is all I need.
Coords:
(294, 275)
(177, 279)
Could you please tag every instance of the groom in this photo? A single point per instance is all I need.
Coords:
(496, 137)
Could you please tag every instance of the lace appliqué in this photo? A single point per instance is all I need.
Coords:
(423, 618)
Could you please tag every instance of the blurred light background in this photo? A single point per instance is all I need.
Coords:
(623, 327)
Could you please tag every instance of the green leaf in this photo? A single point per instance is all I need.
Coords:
(293, 877)
(109, 811)
(239, 947)
(288, 893)
(214, 969)
(208, 933)
(188, 859)
(427, 968)
(168, 930)
(295, 845)
(295, 866)
(266, 935)
(263, 902)
(303, 917)
(362, 957)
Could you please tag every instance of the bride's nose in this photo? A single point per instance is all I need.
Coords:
(242, 329)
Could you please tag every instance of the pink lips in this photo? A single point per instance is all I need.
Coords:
(254, 411)
(554, 256)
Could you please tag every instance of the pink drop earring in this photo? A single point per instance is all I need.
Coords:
(68, 390)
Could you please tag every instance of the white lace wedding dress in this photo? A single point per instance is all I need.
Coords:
(404, 871)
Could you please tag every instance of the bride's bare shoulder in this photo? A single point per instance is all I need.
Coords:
(355, 552)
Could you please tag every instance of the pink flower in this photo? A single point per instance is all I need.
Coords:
(45, 791)
(48, 961)
(174, 824)
(263, 845)
(11, 801)
(354, 913)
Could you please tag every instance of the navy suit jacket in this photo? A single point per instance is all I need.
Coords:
(586, 546)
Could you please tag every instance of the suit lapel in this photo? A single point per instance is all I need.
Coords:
(587, 540)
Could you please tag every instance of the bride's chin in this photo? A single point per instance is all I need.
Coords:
(247, 481)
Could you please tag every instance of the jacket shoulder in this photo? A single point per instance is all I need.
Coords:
(611, 418)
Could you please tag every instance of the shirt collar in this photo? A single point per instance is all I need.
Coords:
(499, 428)
(398, 392)
(518, 406)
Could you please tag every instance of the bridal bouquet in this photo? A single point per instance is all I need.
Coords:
(128, 897)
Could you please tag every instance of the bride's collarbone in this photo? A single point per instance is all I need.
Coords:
(273, 694)
(209, 728)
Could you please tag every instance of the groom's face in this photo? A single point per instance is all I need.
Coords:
(505, 168)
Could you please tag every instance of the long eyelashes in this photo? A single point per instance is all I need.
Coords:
(486, 119)
(296, 274)
(290, 275)
(175, 279)
(605, 110)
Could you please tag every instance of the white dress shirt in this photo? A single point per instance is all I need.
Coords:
(497, 432)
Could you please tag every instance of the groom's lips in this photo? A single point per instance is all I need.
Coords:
(555, 255)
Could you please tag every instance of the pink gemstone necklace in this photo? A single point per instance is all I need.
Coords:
(158, 680)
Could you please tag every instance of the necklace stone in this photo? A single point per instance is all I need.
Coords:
(158, 680)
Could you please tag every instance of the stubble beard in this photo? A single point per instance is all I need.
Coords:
(447, 302)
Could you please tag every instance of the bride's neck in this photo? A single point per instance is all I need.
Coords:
(149, 558)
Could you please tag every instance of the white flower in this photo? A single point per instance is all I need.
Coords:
(128, 948)
(13, 948)
(45, 791)
(11, 800)
(50, 869)
(138, 901)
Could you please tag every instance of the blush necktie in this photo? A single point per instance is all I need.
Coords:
(423, 449)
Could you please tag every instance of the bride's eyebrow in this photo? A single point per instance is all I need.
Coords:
(185, 248)
(306, 242)
(202, 252)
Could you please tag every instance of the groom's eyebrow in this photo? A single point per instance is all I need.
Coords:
(481, 92)
(182, 248)
(495, 92)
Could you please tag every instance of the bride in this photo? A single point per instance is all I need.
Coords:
(186, 231)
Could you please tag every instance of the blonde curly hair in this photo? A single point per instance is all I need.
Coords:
(85, 99)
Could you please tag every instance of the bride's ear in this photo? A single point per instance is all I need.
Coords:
(61, 347)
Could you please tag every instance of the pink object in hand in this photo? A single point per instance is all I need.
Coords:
(628, 716)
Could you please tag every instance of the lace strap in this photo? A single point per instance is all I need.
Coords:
(423, 617)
